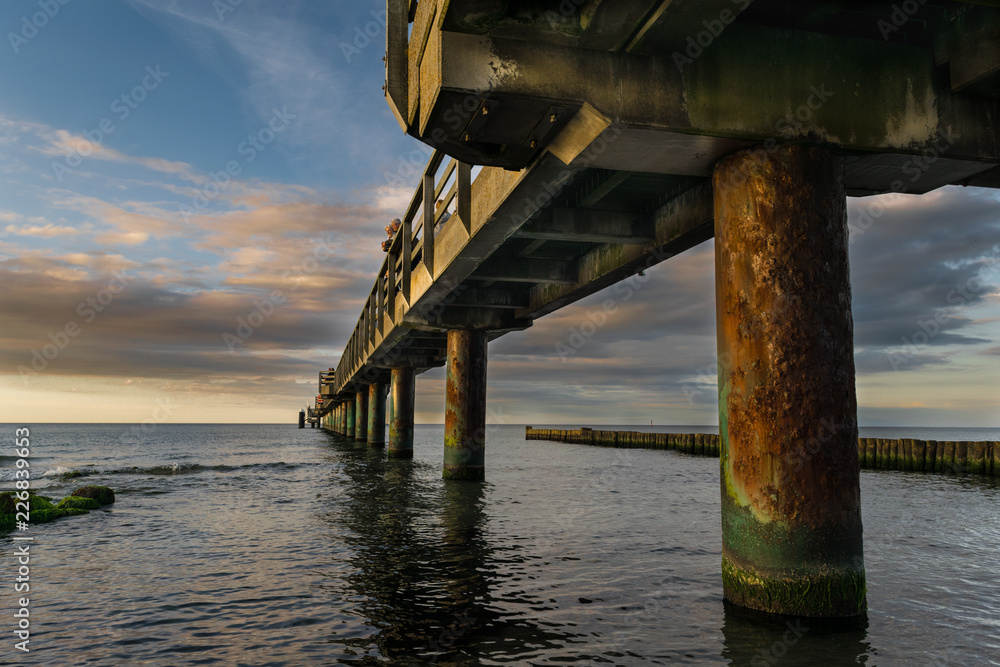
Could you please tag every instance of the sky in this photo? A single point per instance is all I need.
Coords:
(168, 167)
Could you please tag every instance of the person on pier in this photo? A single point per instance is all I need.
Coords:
(390, 231)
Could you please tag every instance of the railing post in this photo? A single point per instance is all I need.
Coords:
(464, 207)
(429, 216)
(381, 286)
(407, 251)
(391, 287)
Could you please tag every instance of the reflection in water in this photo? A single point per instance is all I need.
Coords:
(759, 640)
(424, 571)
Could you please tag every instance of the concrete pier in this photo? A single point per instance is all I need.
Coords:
(605, 151)
(791, 502)
(361, 414)
(465, 405)
(401, 393)
(376, 414)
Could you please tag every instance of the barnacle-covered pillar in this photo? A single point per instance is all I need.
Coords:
(401, 390)
(791, 513)
(465, 405)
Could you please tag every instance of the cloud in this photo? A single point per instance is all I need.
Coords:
(46, 231)
(920, 268)
(61, 143)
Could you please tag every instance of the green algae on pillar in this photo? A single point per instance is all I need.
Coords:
(465, 405)
(376, 414)
(791, 505)
(401, 394)
(349, 424)
(361, 414)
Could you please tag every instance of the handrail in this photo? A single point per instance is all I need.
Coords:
(412, 245)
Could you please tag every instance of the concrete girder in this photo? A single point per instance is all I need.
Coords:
(753, 85)
(682, 223)
(472, 297)
(523, 270)
(457, 317)
(589, 226)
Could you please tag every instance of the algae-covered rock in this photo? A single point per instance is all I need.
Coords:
(43, 511)
(102, 494)
(6, 503)
(79, 503)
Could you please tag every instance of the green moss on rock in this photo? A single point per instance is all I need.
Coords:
(44, 511)
(102, 494)
(78, 502)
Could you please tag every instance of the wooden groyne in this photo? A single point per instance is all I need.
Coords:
(977, 458)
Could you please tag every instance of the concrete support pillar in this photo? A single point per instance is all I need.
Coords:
(791, 510)
(465, 405)
(361, 414)
(349, 419)
(376, 414)
(401, 395)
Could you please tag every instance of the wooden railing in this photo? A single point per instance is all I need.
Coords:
(412, 246)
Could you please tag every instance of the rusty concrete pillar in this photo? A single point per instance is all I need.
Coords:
(376, 414)
(349, 413)
(361, 414)
(401, 395)
(465, 405)
(791, 510)
(343, 419)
